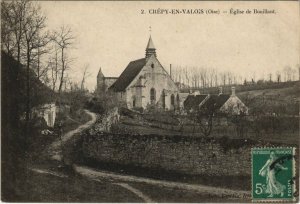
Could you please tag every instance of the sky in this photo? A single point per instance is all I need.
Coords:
(111, 34)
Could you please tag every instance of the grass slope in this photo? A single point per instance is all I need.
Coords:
(282, 94)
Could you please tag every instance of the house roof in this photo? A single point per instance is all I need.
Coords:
(130, 72)
(193, 102)
(215, 101)
(111, 77)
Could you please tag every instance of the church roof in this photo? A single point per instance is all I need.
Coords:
(100, 74)
(150, 44)
(130, 72)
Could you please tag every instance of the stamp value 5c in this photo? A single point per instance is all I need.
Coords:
(273, 173)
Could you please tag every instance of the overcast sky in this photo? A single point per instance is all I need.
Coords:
(111, 34)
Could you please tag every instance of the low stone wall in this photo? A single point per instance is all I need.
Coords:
(187, 155)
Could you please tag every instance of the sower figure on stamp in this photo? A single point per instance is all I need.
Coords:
(273, 186)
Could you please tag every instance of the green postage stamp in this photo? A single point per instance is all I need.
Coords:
(273, 174)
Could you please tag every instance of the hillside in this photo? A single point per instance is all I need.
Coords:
(282, 101)
(13, 103)
(279, 94)
(13, 86)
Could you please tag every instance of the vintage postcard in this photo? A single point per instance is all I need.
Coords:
(150, 101)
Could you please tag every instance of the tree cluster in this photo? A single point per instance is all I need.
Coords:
(201, 77)
(26, 38)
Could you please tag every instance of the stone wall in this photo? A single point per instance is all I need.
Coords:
(106, 120)
(187, 155)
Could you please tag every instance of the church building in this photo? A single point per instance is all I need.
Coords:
(145, 83)
(103, 83)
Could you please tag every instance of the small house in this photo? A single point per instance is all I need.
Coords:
(228, 104)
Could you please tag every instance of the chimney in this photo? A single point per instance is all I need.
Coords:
(220, 90)
(171, 71)
(233, 91)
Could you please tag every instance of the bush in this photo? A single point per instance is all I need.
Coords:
(103, 104)
(127, 112)
(95, 105)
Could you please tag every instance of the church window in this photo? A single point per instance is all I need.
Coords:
(152, 65)
(163, 100)
(177, 100)
(172, 100)
(133, 103)
(152, 95)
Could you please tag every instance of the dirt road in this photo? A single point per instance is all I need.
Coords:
(55, 148)
(100, 175)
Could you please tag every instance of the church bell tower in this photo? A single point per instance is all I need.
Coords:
(150, 49)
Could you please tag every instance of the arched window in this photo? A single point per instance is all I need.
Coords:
(163, 100)
(178, 101)
(172, 100)
(152, 95)
(152, 65)
(133, 103)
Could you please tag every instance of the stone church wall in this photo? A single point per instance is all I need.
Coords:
(103, 83)
(153, 76)
(108, 81)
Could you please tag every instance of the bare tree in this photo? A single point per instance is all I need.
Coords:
(216, 79)
(223, 78)
(13, 25)
(212, 74)
(194, 77)
(187, 76)
(53, 64)
(287, 73)
(203, 119)
(34, 25)
(203, 77)
(229, 78)
(85, 74)
(278, 76)
(64, 39)
(40, 69)
(270, 77)
(293, 74)
(7, 37)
